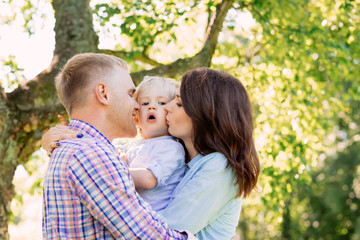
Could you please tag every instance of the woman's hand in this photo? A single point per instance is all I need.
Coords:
(50, 140)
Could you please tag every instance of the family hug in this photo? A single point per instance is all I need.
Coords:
(184, 179)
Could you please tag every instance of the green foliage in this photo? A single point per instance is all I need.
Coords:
(334, 198)
(142, 21)
(29, 12)
(28, 181)
(12, 74)
(299, 61)
(146, 27)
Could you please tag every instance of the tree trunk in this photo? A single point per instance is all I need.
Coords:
(29, 110)
(286, 224)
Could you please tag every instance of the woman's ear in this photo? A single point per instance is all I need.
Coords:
(102, 93)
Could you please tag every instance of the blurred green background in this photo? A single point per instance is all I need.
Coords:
(299, 60)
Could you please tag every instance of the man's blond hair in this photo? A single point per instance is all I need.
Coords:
(149, 81)
(72, 83)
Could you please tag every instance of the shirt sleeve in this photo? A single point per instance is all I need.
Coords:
(102, 183)
(165, 159)
(201, 200)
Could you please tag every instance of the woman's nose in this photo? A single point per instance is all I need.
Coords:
(167, 106)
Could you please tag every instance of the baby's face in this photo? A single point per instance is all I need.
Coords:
(152, 114)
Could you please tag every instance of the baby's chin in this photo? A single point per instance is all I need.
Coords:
(147, 135)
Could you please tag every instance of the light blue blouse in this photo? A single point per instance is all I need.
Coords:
(205, 200)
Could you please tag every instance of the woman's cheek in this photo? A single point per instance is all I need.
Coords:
(171, 130)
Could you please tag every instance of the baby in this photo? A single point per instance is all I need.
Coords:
(156, 162)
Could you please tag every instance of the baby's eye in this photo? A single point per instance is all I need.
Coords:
(144, 104)
(162, 103)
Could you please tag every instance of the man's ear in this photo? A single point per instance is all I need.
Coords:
(102, 93)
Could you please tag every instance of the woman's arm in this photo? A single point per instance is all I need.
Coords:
(50, 140)
(202, 196)
(143, 178)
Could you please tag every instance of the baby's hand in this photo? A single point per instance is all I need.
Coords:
(123, 156)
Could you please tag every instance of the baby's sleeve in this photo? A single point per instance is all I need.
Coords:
(166, 159)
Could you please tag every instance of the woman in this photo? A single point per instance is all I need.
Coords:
(212, 115)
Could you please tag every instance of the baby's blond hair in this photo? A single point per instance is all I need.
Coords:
(149, 81)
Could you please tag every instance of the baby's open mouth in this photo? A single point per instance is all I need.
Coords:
(151, 117)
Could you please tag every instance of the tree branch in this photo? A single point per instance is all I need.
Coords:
(251, 53)
(135, 56)
(202, 58)
(215, 26)
(276, 26)
(210, 16)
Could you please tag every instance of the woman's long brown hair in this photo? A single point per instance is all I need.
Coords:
(222, 118)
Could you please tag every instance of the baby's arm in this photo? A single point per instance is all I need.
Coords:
(143, 178)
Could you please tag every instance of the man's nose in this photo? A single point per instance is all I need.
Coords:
(136, 106)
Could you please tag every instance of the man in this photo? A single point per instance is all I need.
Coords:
(88, 192)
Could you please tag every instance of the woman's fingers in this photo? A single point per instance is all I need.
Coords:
(51, 139)
(62, 120)
(61, 126)
(63, 132)
(57, 133)
(50, 148)
(62, 136)
(49, 143)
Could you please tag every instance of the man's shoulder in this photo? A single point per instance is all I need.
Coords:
(88, 143)
(88, 150)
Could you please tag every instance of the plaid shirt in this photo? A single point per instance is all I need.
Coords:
(88, 194)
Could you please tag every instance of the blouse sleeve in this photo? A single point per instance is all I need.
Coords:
(202, 198)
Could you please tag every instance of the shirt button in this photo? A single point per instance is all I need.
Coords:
(186, 166)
